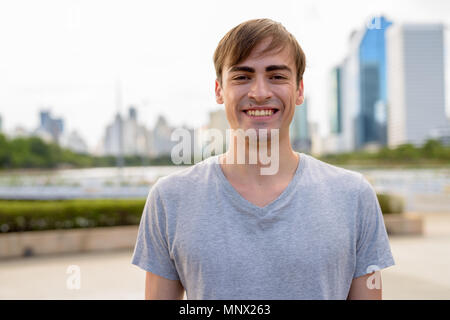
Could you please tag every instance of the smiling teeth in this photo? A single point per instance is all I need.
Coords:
(259, 113)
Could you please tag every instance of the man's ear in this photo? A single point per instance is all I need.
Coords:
(300, 97)
(219, 96)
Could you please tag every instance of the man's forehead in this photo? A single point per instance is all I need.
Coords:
(265, 61)
(276, 56)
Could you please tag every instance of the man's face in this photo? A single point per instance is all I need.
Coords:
(261, 92)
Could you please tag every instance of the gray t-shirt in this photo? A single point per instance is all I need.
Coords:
(325, 229)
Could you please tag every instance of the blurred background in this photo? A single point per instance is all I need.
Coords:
(91, 91)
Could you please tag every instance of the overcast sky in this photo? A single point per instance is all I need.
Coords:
(68, 56)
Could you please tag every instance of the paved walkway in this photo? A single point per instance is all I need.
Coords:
(422, 271)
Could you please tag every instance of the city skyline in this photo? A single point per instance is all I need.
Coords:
(71, 58)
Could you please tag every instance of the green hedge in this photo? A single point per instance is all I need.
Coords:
(67, 214)
(391, 203)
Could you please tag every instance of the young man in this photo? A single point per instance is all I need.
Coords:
(222, 230)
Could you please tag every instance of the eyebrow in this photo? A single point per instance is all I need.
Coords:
(268, 68)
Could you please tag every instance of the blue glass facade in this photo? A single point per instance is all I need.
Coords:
(373, 84)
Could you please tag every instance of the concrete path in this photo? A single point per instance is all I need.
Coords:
(422, 271)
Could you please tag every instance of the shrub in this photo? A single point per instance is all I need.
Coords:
(390, 203)
(47, 215)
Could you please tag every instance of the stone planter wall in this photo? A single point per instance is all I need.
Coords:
(403, 224)
(19, 244)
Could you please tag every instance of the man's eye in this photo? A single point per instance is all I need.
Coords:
(241, 78)
(278, 77)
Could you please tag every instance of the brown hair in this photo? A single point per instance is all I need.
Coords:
(239, 42)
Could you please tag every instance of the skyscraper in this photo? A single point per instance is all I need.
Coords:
(299, 129)
(336, 101)
(373, 85)
(50, 126)
(416, 93)
(161, 137)
(113, 137)
(132, 113)
(125, 136)
(349, 77)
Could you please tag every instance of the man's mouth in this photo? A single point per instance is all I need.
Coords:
(260, 113)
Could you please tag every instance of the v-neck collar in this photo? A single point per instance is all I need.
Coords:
(244, 203)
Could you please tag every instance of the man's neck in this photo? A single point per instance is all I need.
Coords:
(251, 173)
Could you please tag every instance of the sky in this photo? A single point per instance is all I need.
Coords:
(70, 57)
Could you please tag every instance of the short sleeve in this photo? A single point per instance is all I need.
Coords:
(373, 251)
(151, 251)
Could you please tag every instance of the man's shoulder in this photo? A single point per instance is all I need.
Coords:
(190, 178)
(322, 172)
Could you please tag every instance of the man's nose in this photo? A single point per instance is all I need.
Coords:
(260, 90)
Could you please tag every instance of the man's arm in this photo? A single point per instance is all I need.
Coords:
(159, 288)
(367, 287)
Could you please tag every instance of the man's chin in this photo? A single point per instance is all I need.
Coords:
(257, 128)
(261, 133)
